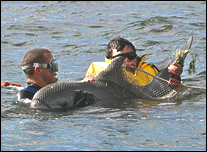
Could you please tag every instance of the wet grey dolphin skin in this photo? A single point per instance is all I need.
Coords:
(68, 94)
(113, 84)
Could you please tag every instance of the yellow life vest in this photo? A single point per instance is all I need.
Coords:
(95, 68)
(143, 78)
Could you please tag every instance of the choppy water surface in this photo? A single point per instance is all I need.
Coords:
(77, 34)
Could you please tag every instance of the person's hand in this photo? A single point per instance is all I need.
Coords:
(176, 69)
(87, 79)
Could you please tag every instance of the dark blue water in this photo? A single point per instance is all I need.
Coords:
(77, 33)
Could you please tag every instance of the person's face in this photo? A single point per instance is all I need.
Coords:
(47, 75)
(129, 62)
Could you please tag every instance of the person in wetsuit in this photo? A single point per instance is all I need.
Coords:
(119, 46)
(40, 69)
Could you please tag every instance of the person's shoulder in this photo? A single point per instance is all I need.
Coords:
(29, 89)
(24, 93)
(28, 92)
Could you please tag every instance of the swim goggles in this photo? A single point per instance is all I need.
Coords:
(130, 55)
(53, 65)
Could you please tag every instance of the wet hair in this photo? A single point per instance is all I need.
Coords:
(33, 56)
(119, 44)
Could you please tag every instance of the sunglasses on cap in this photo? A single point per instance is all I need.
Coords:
(130, 55)
(53, 65)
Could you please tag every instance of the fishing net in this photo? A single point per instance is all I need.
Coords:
(159, 88)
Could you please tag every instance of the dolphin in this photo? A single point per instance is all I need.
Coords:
(114, 83)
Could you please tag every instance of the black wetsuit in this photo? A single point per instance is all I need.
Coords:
(29, 91)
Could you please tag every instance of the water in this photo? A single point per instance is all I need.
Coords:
(77, 33)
